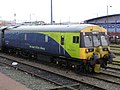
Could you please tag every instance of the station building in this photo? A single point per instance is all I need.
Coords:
(110, 22)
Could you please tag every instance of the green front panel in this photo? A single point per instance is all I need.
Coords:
(72, 48)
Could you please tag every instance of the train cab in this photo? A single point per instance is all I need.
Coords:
(95, 45)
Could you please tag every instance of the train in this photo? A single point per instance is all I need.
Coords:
(83, 47)
(114, 37)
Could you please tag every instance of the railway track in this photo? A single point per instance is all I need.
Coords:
(44, 74)
(117, 63)
(60, 80)
(117, 54)
(107, 77)
(114, 68)
(114, 46)
(68, 80)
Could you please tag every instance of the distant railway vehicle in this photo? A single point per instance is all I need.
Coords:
(83, 47)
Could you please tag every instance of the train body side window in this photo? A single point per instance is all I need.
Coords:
(25, 37)
(75, 39)
(46, 38)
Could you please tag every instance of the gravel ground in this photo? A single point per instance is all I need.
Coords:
(29, 81)
(32, 82)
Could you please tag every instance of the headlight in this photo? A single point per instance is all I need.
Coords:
(89, 50)
(105, 49)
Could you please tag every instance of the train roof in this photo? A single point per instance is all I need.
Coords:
(53, 28)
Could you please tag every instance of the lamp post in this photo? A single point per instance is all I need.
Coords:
(107, 14)
(107, 18)
(15, 18)
(51, 13)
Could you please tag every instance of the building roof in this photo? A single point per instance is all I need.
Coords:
(101, 17)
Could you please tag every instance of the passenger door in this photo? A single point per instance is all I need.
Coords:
(62, 44)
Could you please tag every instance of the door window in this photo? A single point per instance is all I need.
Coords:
(62, 40)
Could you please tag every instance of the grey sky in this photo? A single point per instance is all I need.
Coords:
(63, 10)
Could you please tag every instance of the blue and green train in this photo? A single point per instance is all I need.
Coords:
(84, 47)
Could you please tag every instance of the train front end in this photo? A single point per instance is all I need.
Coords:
(95, 45)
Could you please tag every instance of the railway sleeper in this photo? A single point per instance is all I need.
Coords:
(67, 87)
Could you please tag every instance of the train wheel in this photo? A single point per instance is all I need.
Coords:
(17, 53)
(9, 51)
(25, 54)
(104, 64)
(78, 68)
(88, 68)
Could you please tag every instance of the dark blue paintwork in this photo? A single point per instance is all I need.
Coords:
(0, 39)
(33, 41)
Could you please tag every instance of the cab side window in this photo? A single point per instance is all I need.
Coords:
(75, 39)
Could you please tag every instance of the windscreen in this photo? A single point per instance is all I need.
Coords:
(88, 41)
(104, 40)
(94, 40)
